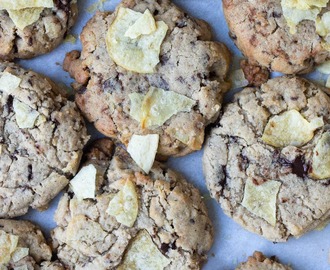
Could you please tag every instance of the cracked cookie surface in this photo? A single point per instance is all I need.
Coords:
(237, 160)
(40, 37)
(260, 31)
(170, 210)
(259, 262)
(29, 236)
(37, 157)
(103, 87)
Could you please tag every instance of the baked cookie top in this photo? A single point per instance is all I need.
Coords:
(169, 82)
(267, 162)
(289, 44)
(23, 247)
(259, 262)
(131, 220)
(32, 28)
(42, 135)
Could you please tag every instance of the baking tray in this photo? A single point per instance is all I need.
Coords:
(232, 244)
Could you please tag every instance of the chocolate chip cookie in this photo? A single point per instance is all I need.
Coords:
(150, 68)
(42, 135)
(279, 34)
(23, 247)
(267, 162)
(130, 220)
(259, 262)
(34, 27)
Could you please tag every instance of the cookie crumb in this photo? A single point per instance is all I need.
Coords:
(256, 75)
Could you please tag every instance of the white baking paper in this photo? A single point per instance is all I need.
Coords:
(232, 244)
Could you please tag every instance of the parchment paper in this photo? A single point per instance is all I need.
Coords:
(232, 244)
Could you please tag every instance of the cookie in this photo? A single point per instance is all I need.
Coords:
(259, 262)
(42, 135)
(277, 34)
(128, 85)
(34, 27)
(267, 162)
(132, 220)
(23, 247)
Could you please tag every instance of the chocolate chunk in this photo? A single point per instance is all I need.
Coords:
(299, 167)
(9, 103)
(165, 247)
(30, 172)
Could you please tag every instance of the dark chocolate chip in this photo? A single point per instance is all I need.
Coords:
(173, 245)
(276, 14)
(181, 24)
(299, 167)
(9, 104)
(244, 163)
(30, 172)
(165, 247)
(70, 194)
(82, 90)
(164, 59)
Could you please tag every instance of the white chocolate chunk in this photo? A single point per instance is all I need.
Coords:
(70, 39)
(321, 158)
(136, 106)
(327, 83)
(238, 79)
(8, 244)
(25, 116)
(322, 24)
(9, 82)
(21, 4)
(139, 54)
(143, 254)
(124, 205)
(323, 29)
(194, 140)
(24, 17)
(84, 183)
(324, 67)
(143, 150)
(294, 16)
(290, 128)
(157, 106)
(145, 25)
(306, 4)
(19, 254)
(261, 199)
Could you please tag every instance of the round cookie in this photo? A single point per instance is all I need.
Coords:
(189, 65)
(42, 136)
(267, 161)
(24, 247)
(262, 33)
(171, 218)
(259, 262)
(39, 37)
